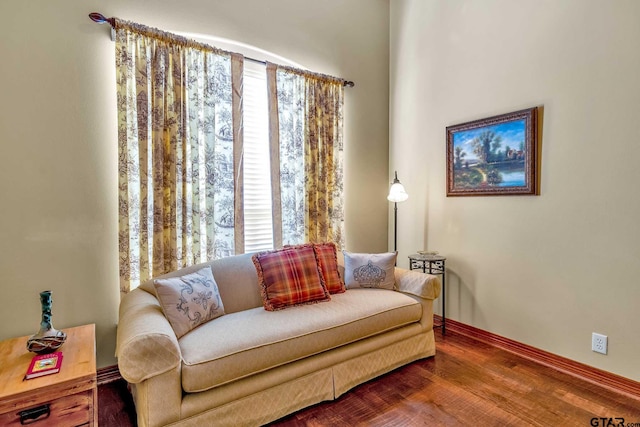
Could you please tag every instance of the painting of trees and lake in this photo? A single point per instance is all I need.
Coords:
(494, 156)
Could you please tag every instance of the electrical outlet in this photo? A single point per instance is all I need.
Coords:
(599, 343)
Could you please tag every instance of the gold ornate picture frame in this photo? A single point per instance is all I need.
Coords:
(496, 156)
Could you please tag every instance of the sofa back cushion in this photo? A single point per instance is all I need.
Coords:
(236, 278)
(289, 277)
(238, 282)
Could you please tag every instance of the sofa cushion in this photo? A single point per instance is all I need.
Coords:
(240, 344)
(289, 277)
(369, 270)
(189, 300)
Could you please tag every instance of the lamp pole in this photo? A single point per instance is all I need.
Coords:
(395, 226)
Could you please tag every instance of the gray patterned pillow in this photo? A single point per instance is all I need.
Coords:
(190, 300)
(369, 270)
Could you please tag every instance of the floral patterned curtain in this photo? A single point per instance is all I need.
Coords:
(306, 156)
(179, 139)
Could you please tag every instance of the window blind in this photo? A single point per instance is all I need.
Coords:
(257, 181)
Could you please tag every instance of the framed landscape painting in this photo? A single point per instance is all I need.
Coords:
(494, 156)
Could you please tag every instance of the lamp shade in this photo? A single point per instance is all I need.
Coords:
(397, 192)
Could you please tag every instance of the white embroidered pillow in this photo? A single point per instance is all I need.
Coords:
(190, 300)
(369, 270)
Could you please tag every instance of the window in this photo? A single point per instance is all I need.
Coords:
(200, 196)
(258, 224)
(258, 221)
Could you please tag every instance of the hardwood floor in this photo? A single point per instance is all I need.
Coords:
(115, 405)
(467, 383)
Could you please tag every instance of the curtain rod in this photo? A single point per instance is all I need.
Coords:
(101, 19)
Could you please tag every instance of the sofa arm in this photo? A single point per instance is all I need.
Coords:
(426, 286)
(146, 345)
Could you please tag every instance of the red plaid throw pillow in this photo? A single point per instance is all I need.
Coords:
(328, 260)
(289, 277)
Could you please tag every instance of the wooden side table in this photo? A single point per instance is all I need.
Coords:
(431, 264)
(68, 398)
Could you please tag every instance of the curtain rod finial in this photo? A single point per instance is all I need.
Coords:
(101, 19)
(97, 17)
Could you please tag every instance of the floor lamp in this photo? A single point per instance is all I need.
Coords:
(396, 195)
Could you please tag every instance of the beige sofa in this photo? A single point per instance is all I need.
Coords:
(253, 366)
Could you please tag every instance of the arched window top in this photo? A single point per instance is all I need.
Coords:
(245, 49)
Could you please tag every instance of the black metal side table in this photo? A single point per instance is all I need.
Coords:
(431, 264)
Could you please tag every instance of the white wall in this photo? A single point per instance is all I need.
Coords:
(58, 140)
(547, 270)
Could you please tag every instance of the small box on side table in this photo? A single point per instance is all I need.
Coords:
(67, 398)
